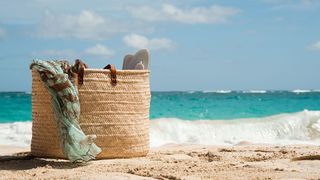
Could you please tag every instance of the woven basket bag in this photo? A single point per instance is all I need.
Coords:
(114, 106)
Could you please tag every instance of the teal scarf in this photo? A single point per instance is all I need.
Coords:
(58, 78)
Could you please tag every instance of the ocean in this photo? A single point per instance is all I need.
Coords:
(201, 117)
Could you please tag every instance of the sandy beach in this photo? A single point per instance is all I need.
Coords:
(243, 161)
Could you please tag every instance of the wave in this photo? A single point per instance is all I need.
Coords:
(295, 128)
(230, 91)
(217, 91)
(255, 91)
(298, 91)
(15, 134)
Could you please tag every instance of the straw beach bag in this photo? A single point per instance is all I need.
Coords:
(114, 106)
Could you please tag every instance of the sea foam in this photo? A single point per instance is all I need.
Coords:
(15, 134)
(217, 91)
(295, 128)
(255, 91)
(298, 91)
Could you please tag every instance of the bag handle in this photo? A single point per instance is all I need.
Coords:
(113, 74)
(79, 67)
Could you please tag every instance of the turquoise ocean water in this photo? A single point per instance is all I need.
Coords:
(201, 117)
(16, 106)
(231, 105)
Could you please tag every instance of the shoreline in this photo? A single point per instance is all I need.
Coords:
(178, 161)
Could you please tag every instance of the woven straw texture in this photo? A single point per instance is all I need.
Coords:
(118, 115)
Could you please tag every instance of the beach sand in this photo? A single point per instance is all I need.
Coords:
(244, 161)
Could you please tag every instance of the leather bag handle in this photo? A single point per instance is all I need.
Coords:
(79, 67)
(113, 74)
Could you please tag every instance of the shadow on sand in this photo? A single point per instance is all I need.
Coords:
(25, 161)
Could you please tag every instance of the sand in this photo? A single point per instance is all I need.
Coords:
(244, 161)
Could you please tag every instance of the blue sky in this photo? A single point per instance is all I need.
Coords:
(195, 45)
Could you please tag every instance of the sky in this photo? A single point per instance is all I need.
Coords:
(194, 45)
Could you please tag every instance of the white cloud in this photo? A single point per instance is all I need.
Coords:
(86, 25)
(315, 46)
(3, 33)
(140, 42)
(196, 15)
(99, 50)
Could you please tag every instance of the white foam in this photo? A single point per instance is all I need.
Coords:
(296, 128)
(217, 91)
(298, 91)
(255, 91)
(301, 128)
(15, 134)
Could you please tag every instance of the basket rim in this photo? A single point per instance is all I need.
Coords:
(118, 71)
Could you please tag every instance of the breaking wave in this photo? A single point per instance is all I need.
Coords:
(15, 134)
(295, 128)
(255, 91)
(217, 91)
